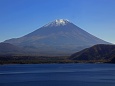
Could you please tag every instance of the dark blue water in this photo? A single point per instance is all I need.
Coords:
(57, 75)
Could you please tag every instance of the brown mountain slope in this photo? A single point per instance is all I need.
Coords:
(97, 52)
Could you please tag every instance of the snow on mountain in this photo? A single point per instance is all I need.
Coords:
(58, 22)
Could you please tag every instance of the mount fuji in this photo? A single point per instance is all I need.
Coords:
(59, 37)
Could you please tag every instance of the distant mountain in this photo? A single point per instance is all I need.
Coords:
(59, 37)
(9, 49)
(96, 52)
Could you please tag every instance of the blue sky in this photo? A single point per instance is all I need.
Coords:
(20, 17)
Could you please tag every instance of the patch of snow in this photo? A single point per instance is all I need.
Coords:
(58, 22)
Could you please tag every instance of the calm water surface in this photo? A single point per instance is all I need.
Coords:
(57, 75)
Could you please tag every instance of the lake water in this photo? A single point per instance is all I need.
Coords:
(57, 75)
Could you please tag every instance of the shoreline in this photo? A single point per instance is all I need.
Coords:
(45, 60)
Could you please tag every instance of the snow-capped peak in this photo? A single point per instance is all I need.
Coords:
(61, 21)
(58, 22)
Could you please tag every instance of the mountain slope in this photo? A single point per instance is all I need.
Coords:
(112, 60)
(9, 49)
(97, 52)
(59, 37)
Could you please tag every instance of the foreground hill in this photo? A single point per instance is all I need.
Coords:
(112, 60)
(97, 52)
(9, 49)
(59, 37)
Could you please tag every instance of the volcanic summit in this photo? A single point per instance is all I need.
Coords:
(60, 37)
